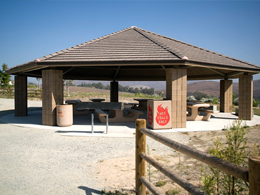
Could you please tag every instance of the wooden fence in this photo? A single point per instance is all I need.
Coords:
(31, 93)
(7, 92)
(34, 93)
(251, 175)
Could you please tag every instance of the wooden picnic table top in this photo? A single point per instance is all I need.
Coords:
(142, 99)
(129, 105)
(100, 105)
(97, 100)
(72, 101)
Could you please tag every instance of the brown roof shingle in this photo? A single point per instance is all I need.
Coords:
(134, 44)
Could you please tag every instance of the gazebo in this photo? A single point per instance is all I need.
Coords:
(135, 54)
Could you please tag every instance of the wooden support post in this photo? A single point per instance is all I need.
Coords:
(20, 97)
(254, 175)
(114, 91)
(140, 145)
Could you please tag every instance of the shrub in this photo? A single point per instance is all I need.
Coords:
(235, 152)
(255, 103)
(206, 100)
(236, 101)
(215, 101)
(191, 97)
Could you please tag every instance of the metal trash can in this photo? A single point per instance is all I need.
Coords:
(159, 114)
(64, 115)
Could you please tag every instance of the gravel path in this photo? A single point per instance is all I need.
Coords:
(34, 161)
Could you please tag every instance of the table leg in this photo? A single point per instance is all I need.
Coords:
(194, 115)
(92, 121)
(107, 124)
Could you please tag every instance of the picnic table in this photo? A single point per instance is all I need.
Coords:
(142, 104)
(129, 105)
(195, 109)
(75, 110)
(102, 110)
(97, 100)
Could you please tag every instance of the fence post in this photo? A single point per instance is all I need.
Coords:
(254, 175)
(140, 145)
(10, 92)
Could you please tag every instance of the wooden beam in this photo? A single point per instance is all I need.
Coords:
(218, 72)
(235, 73)
(68, 70)
(150, 186)
(116, 73)
(175, 177)
(203, 77)
(163, 67)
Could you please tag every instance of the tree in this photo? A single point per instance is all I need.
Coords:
(4, 77)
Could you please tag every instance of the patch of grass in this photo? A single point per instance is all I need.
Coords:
(256, 111)
(213, 133)
(173, 191)
(139, 95)
(160, 183)
(112, 193)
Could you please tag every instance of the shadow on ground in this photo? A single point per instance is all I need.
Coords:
(89, 191)
(5, 112)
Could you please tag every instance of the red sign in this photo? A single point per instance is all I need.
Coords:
(150, 115)
(60, 113)
(163, 116)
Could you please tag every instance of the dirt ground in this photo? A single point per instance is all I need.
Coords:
(123, 169)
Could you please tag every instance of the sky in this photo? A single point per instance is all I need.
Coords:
(32, 29)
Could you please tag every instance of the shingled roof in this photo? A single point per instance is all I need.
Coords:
(134, 46)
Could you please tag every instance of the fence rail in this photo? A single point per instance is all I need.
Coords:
(31, 93)
(7, 92)
(34, 93)
(252, 175)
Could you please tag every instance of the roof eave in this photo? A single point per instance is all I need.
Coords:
(20, 69)
(221, 66)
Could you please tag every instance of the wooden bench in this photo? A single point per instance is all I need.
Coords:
(142, 104)
(208, 113)
(99, 106)
(100, 112)
(117, 115)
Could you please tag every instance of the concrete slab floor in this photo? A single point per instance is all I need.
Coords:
(82, 125)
